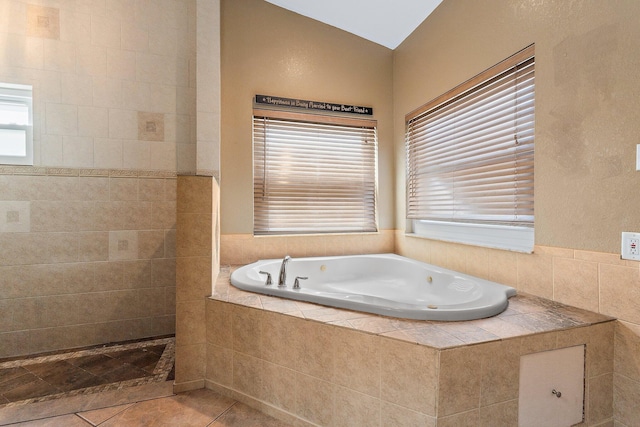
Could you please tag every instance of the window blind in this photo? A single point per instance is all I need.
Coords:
(470, 152)
(316, 175)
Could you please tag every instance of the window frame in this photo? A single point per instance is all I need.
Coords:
(509, 235)
(262, 223)
(18, 94)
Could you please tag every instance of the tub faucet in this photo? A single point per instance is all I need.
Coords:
(282, 280)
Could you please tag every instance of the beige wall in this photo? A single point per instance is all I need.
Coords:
(268, 50)
(587, 103)
(88, 251)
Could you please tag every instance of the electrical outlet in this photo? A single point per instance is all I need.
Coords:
(631, 246)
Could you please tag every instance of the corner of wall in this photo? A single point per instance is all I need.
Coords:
(197, 266)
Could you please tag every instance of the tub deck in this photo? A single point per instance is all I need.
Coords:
(526, 315)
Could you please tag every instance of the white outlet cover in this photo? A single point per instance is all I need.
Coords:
(638, 157)
(626, 250)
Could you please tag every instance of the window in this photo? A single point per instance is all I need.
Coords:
(470, 159)
(16, 119)
(313, 173)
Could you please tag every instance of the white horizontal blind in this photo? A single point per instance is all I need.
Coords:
(313, 177)
(470, 158)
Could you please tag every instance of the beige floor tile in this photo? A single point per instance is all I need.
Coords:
(62, 421)
(194, 408)
(98, 416)
(241, 415)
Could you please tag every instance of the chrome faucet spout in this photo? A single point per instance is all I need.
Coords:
(282, 279)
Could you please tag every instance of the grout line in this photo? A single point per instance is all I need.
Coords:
(222, 413)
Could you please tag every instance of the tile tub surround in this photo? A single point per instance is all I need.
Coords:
(87, 256)
(240, 249)
(596, 281)
(313, 365)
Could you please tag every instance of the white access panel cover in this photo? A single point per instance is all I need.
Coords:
(552, 388)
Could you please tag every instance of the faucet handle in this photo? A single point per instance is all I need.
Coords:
(269, 281)
(296, 283)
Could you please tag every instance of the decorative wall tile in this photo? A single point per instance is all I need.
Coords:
(150, 126)
(123, 245)
(43, 22)
(15, 217)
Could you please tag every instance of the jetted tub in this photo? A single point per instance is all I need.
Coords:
(385, 284)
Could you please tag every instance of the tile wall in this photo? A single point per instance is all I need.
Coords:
(86, 257)
(197, 268)
(315, 372)
(595, 281)
(237, 249)
(113, 81)
(87, 235)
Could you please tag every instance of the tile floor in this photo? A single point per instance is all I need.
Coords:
(120, 385)
(198, 408)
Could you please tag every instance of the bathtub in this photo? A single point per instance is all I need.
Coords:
(385, 284)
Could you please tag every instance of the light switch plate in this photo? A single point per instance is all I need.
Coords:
(638, 157)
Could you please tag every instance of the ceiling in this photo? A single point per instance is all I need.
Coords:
(386, 22)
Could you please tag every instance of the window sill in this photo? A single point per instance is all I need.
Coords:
(511, 238)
